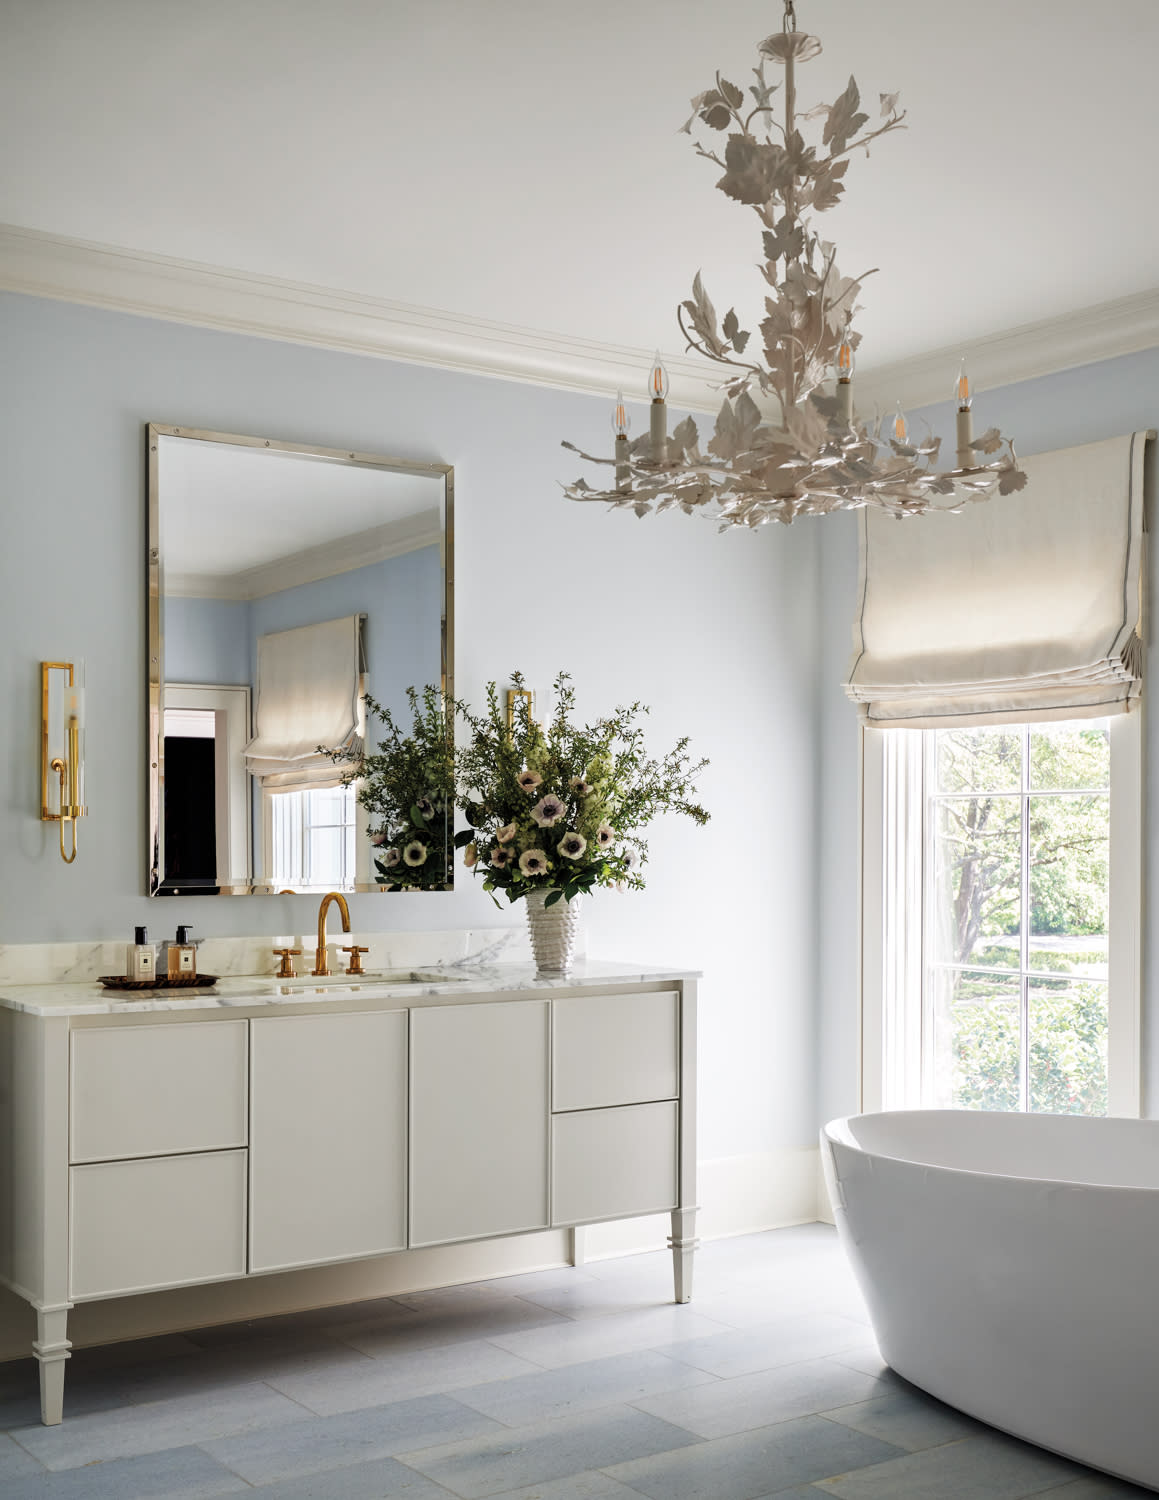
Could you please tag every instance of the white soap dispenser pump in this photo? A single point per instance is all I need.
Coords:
(141, 959)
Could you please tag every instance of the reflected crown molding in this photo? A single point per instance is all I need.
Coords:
(325, 560)
(159, 286)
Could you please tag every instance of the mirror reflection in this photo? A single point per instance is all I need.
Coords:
(285, 583)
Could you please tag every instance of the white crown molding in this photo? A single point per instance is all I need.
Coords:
(1124, 326)
(45, 265)
(342, 555)
(159, 286)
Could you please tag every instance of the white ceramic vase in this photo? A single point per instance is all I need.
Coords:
(554, 930)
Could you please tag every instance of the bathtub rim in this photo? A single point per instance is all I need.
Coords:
(837, 1132)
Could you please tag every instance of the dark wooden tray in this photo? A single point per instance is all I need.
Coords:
(161, 982)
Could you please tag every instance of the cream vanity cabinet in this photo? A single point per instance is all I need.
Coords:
(149, 1149)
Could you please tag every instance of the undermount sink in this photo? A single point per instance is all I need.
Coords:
(369, 976)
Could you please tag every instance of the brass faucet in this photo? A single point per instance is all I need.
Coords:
(320, 956)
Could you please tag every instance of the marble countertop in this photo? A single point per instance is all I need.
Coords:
(245, 992)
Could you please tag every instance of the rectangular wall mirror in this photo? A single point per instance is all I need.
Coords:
(284, 582)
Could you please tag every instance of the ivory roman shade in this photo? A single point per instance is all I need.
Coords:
(309, 694)
(1024, 607)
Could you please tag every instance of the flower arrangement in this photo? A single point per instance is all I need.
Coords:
(561, 808)
(408, 786)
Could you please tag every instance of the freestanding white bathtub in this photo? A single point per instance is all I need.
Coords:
(1011, 1267)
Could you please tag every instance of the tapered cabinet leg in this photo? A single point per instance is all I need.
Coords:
(51, 1349)
(683, 1242)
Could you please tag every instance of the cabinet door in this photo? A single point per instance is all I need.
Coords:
(479, 1111)
(327, 1138)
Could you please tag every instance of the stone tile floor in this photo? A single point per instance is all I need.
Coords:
(584, 1384)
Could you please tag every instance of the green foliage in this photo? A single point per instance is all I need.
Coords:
(408, 786)
(560, 809)
(980, 830)
(982, 780)
(1067, 1049)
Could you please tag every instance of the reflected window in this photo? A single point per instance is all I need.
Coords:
(313, 838)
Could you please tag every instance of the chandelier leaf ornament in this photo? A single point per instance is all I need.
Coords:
(783, 446)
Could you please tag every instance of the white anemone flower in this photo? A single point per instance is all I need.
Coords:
(581, 787)
(501, 858)
(533, 862)
(391, 858)
(529, 780)
(630, 859)
(505, 834)
(605, 833)
(572, 845)
(415, 853)
(548, 811)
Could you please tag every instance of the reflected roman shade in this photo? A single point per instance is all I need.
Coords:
(1023, 607)
(309, 694)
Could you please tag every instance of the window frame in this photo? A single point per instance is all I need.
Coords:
(894, 853)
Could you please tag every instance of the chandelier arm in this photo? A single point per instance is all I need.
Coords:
(708, 155)
(761, 109)
(864, 140)
(720, 359)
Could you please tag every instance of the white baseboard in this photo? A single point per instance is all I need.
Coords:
(738, 1195)
(824, 1204)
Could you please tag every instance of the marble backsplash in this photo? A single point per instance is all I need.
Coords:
(57, 963)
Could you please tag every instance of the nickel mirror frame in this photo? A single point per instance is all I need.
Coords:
(155, 863)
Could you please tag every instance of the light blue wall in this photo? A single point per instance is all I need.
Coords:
(1057, 411)
(717, 633)
(208, 641)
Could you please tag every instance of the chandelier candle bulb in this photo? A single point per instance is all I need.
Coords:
(900, 429)
(843, 367)
(964, 398)
(658, 387)
(621, 425)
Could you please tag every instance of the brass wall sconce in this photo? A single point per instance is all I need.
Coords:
(516, 697)
(61, 749)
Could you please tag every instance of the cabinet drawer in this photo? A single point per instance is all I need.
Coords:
(610, 1163)
(151, 1090)
(614, 1049)
(165, 1221)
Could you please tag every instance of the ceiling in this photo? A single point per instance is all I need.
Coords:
(521, 164)
(226, 511)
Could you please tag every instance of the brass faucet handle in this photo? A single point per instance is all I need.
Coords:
(287, 955)
(355, 964)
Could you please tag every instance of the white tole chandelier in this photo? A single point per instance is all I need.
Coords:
(813, 455)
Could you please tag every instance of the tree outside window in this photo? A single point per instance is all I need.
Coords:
(1017, 909)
